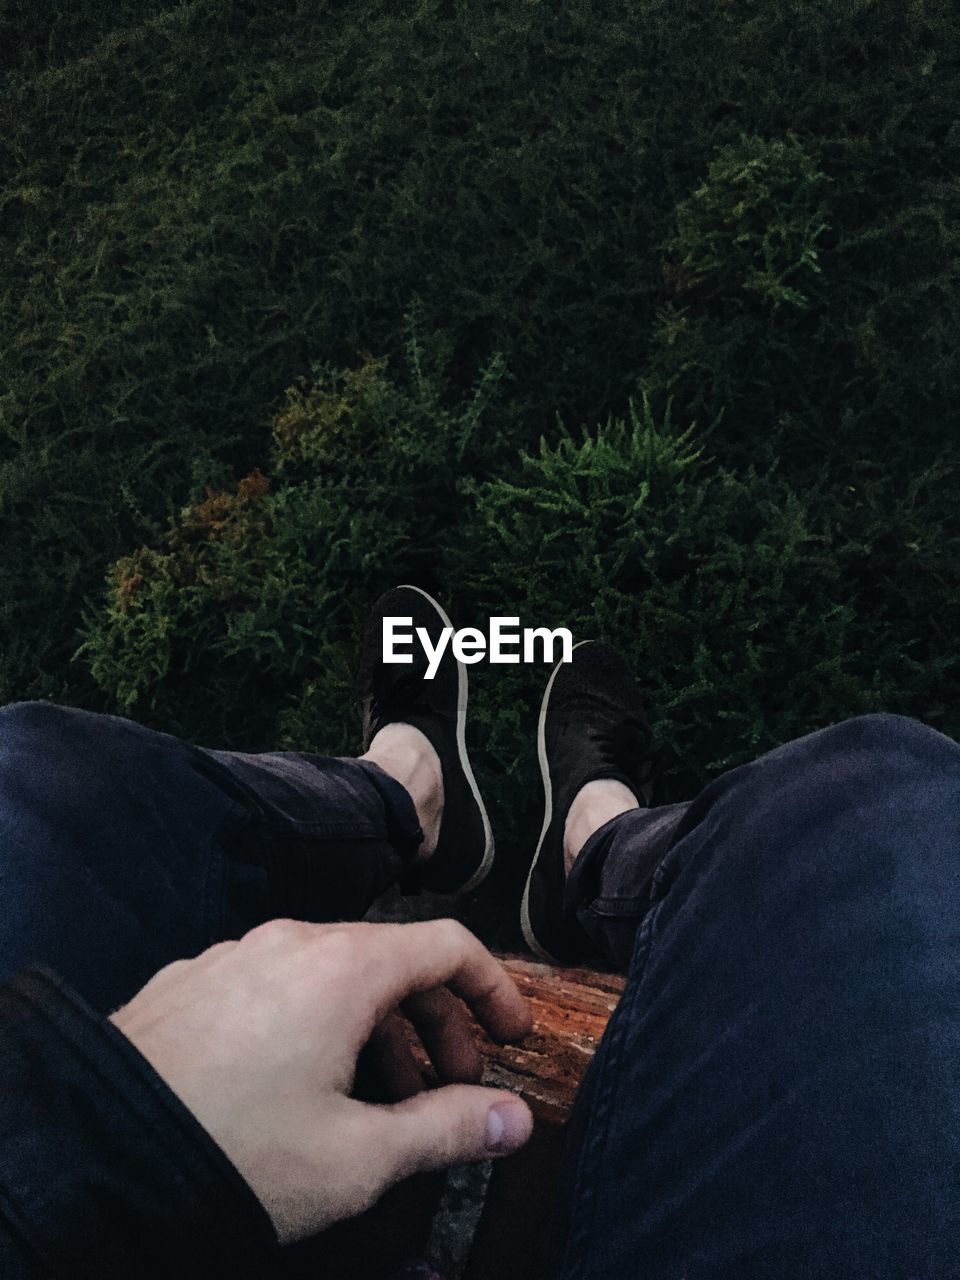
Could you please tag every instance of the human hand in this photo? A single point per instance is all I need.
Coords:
(260, 1039)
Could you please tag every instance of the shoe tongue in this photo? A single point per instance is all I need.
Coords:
(412, 694)
(630, 781)
(623, 753)
(629, 740)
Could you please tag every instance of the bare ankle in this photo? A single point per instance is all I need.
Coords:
(593, 806)
(407, 755)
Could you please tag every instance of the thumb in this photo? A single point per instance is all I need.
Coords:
(452, 1125)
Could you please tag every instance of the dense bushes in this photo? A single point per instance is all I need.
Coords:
(252, 608)
(747, 214)
(753, 611)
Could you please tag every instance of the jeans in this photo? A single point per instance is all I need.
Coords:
(777, 1091)
(122, 849)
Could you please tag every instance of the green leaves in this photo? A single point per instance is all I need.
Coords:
(385, 257)
(754, 609)
(268, 581)
(755, 224)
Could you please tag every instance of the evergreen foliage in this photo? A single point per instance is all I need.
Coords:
(635, 216)
(245, 625)
(754, 611)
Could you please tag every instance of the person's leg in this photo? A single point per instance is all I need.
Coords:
(778, 1091)
(122, 849)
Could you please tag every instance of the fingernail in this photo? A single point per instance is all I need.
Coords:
(508, 1127)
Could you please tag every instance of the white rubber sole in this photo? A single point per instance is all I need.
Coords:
(463, 694)
(528, 935)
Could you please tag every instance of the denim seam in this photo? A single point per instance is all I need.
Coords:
(638, 904)
(612, 907)
(279, 824)
(297, 829)
(215, 890)
(232, 786)
(584, 1188)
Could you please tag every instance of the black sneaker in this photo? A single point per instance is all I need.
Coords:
(592, 725)
(438, 708)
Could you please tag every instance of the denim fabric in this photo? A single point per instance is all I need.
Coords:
(778, 1091)
(122, 849)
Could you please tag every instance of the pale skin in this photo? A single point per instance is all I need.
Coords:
(406, 754)
(260, 1037)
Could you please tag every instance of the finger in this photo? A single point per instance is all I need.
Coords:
(410, 958)
(441, 1022)
(456, 1124)
(390, 1056)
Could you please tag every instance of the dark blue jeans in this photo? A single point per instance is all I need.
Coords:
(777, 1091)
(122, 849)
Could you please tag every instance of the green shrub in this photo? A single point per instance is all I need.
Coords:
(198, 200)
(753, 226)
(752, 611)
(245, 627)
(628, 216)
